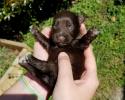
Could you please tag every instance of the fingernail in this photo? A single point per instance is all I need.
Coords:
(91, 47)
(62, 54)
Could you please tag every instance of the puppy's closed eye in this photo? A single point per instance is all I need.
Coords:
(69, 25)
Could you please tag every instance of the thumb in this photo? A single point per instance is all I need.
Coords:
(65, 69)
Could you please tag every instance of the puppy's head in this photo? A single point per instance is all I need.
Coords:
(65, 27)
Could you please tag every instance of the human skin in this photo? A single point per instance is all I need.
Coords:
(83, 89)
(66, 88)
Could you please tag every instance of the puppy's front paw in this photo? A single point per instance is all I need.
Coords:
(33, 29)
(94, 32)
(91, 35)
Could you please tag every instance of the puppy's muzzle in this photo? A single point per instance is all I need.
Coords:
(61, 39)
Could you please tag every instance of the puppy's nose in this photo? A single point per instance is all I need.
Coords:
(61, 39)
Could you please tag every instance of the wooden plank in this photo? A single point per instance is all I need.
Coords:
(12, 75)
(14, 72)
(13, 44)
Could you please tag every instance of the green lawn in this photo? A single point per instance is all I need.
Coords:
(7, 57)
(109, 47)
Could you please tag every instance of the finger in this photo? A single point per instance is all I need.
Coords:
(65, 70)
(39, 52)
(83, 30)
(46, 31)
(90, 63)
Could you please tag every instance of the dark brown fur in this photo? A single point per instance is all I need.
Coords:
(65, 37)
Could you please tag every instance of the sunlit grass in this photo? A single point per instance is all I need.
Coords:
(7, 57)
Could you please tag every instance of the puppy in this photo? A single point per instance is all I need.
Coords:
(65, 37)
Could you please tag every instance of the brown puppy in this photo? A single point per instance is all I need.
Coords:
(65, 37)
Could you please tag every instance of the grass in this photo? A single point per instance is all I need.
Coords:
(7, 57)
(109, 47)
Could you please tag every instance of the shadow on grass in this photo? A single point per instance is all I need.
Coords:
(11, 29)
(39, 9)
(119, 2)
(47, 8)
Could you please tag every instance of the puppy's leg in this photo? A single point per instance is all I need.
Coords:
(44, 41)
(88, 38)
(46, 72)
(23, 62)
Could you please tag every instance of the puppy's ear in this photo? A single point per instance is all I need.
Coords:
(81, 19)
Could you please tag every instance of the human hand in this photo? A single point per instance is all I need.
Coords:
(83, 89)
(40, 53)
(69, 89)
